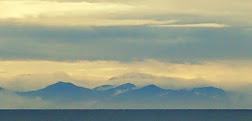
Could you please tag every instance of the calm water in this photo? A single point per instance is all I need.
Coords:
(126, 115)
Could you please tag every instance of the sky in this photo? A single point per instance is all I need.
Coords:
(88, 42)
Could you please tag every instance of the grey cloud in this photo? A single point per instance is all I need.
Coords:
(124, 43)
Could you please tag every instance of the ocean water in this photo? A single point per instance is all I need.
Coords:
(125, 115)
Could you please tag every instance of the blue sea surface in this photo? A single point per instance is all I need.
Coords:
(125, 115)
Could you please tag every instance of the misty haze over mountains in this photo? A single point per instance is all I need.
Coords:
(121, 92)
(140, 79)
(130, 96)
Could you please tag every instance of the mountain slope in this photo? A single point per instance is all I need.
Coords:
(154, 95)
(103, 87)
(128, 95)
(209, 92)
(150, 90)
(121, 89)
(62, 91)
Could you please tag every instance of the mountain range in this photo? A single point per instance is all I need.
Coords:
(129, 95)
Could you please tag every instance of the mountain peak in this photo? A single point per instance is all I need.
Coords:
(127, 85)
(60, 83)
(152, 86)
(61, 91)
(122, 88)
(63, 86)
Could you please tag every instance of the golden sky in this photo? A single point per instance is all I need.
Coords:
(121, 13)
(227, 74)
(90, 41)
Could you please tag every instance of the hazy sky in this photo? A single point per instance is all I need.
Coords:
(90, 41)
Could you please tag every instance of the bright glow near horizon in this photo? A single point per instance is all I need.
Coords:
(91, 41)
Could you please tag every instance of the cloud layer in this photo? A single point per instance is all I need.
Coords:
(122, 13)
(31, 75)
(124, 43)
(173, 44)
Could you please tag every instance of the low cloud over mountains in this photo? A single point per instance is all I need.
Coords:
(68, 95)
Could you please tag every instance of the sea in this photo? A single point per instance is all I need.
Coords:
(125, 115)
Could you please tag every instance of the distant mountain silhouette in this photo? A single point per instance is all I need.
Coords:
(143, 79)
(62, 91)
(209, 92)
(129, 94)
(150, 90)
(121, 89)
